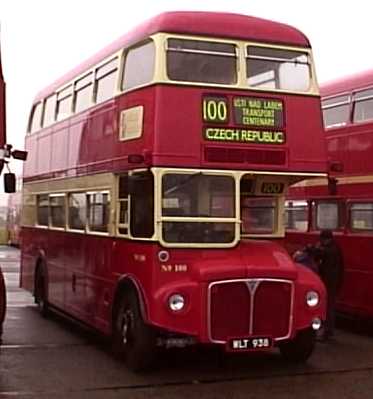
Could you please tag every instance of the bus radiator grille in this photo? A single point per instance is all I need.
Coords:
(236, 310)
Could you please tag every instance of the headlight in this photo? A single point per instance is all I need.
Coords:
(176, 302)
(312, 299)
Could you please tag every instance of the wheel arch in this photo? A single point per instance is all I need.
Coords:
(129, 283)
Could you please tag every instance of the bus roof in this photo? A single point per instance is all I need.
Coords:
(348, 83)
(214, 24)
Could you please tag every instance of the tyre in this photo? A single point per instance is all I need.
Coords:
(2, 303)
(40, 292)
(133, 340)
(300, 348)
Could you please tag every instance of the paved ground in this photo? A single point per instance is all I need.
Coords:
(56, 359)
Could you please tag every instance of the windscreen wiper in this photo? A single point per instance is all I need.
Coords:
(186, 181)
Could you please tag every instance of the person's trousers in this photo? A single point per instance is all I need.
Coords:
(330, 314)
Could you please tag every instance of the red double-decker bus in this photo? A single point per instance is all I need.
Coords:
(344, 203)
(154, 191)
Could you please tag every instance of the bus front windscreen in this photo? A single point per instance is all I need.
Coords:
(194, 207)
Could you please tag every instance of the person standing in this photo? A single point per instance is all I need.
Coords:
(331, 270)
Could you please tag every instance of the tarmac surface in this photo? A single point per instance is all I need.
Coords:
(55, 358)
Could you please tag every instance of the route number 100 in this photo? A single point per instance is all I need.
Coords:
(272, 188)
(215, 110)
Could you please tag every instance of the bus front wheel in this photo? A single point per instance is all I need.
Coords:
(300, 348)
(133, 340)
(41, 292)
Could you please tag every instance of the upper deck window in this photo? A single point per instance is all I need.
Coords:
(201, 61)
(64, 103)
(139, 66)
(336, 111)
(106, 79)
(83, 93)
(363, 107)
(270, 68)
(35, 122)
(49, 110)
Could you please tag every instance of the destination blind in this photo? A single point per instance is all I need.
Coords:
(244, 135)
(252, 111)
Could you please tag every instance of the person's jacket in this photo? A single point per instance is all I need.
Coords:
(331, 268)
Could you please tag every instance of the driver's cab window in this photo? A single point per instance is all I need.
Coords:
(141, 187)
(258, 212)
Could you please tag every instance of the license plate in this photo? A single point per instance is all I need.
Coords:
(246, 344)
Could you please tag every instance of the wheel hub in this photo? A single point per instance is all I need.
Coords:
(127, 325)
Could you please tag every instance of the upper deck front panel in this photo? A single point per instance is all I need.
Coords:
(256, 130)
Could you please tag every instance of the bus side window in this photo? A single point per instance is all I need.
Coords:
(106, 79)
(49, 110)
(296, 216)
(336, 111)
(142, 205)
(42, 210)
(361, 216)
(64, 103)
(327, 215)
(363, 106)
(77, 211)
(83, 93)
(98, 211)
(35, 120)
(139, 66)
(57, 210)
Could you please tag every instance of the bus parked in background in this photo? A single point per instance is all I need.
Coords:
(154, 191)
(13, 216)
(344, 203)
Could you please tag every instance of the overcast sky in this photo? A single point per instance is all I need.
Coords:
(42, 40)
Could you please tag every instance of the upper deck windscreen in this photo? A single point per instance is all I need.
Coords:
(267, 67)
(201, 61)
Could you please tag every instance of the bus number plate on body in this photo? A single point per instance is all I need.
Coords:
(245, 344)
